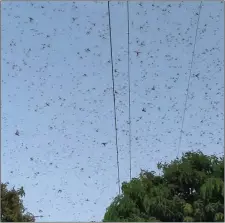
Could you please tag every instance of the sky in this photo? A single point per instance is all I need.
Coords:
(58, 133)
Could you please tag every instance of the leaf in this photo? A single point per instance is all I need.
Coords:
(189, 189)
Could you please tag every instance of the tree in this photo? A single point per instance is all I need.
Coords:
(12, 209)
(190, 189)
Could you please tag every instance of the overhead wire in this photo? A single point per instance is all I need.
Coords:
(189, 78)
(128, 71)
(114, 99)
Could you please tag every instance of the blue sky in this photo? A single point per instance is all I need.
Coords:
(57, 92)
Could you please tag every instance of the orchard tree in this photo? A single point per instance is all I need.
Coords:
(12, 209)
(190, 189)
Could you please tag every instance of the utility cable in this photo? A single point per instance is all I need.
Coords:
(128, 71)
(114, 98)
(192, 59)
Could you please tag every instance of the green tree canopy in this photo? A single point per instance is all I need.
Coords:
(190, 189)
(12, 209)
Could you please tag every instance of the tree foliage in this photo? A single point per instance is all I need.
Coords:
(12, 209)
(190, 189)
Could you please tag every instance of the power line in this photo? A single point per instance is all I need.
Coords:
(114, 99)
(128, 70)
(192, 59)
